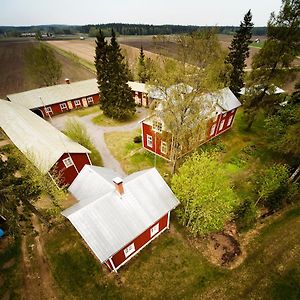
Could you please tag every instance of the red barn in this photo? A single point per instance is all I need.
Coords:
(157, 138)
(118, 218)
(46, 147)
(57, 99)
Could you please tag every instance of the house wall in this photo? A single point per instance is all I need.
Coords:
(56, 109)
(216, 126)
(139, 242)
(70, 173)
(141, 99)
(157, 139)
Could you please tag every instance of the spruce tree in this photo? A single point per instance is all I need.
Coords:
(142, 70)
(116, 98)
(239, 51)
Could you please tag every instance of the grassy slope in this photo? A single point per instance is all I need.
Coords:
(172, 268)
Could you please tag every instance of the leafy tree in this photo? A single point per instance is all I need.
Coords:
(239, 51)
(113, 74)
(43, 66)
(182, 84)
(77, 132)
(277, 53)
(206, 194)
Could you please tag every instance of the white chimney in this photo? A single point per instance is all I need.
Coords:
(119, 185)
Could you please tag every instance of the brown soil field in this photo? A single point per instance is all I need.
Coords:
(14, 78)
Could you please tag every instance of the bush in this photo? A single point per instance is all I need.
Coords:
(245, 215)
(137, 139)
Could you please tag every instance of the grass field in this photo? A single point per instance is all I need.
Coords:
(13, 77)
(172, 267)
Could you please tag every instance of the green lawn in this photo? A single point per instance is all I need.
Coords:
(85, 111)
(257, 45)
(172, 267)
(131, 155)
(103, 120)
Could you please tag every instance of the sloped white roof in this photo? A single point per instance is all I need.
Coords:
(108, 221)
(37, 139)
(277, 90)
(138, 86)
(55, 93)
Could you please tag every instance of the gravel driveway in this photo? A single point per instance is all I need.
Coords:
(96, 134)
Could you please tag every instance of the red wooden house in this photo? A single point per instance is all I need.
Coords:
(118, 218)
(157, 138)
(46, 147)
(57, 99)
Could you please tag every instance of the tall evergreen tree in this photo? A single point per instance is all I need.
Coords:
(239, 51)
(112, 74)
(142, 70)
(269, 65)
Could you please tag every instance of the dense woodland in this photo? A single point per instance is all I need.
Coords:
(120, 28)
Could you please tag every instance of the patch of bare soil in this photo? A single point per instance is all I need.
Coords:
(38, 281)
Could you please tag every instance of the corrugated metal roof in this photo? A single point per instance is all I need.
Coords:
(37, 139)
(108, 222)
(55, 93)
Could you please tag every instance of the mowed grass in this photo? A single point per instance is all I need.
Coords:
(82, 112)
(131, 155)
(173, 268)
(102, 120)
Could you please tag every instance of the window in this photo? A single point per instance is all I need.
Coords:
(68, 162)
(229, 121)
(63, 106)
(48, 110)
(154, 230)
(90, 100)
(129, 250)
(149, 140)
(77, 103)
(221, 124)
(163, 147)
(157, 126)
(212, 130)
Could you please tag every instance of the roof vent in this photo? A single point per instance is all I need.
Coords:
(119, 185)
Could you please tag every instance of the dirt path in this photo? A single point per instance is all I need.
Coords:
(38, 281)
(96, 133)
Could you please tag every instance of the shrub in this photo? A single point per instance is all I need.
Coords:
(245, 215)
(137, 139)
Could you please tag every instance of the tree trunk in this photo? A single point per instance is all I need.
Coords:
(294, 175)
(174, 166)
(250, 123)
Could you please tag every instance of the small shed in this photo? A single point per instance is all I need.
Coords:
(117, 217)
(46, 147)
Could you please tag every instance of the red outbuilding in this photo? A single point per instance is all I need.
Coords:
(46, 147)
(158, 139)
(117, 218)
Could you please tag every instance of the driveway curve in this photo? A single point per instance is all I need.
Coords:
(96, 134)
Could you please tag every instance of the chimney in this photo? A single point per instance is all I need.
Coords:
(67, 80)
(119, 185)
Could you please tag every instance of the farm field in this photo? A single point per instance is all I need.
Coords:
(12, 68)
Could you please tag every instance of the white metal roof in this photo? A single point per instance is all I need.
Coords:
(109, 221)
(37, 139)
(55, 93)
(138, 86)
(274, 90)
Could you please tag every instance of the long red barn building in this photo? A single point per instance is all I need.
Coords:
(157, 138)
(61, 98)
(118, 218)
(46, 147)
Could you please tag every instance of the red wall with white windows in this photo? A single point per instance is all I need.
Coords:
(157, 139)
(70, 173)
(56, 108)
(139, 242)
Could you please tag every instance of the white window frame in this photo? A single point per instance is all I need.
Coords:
(222, 125)
(77, 103)
(154, 230)
(163, 147)
(149, 141)
(68, 162)
(129, 250)
(48, 110)
(157, 126)
(229, 121)
(63, 106)
(212, 130)
(90, 100)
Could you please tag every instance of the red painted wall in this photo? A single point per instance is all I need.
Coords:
(69, 174)
(139, 242)
(57, 110)
(157, 139)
